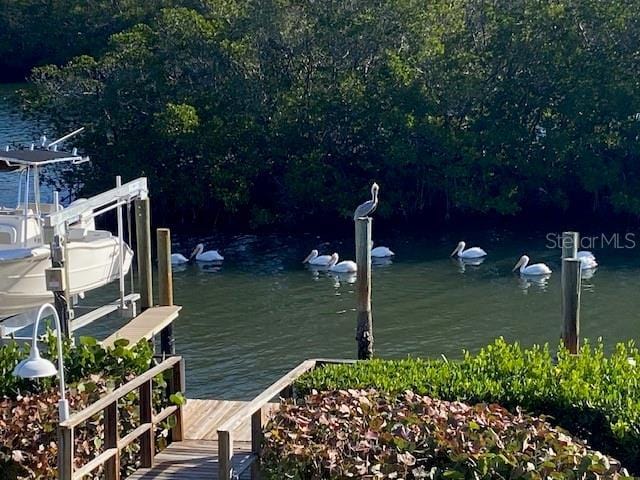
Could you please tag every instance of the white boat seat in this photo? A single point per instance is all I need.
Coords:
(8, 234)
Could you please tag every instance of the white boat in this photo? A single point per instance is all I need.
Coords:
(92, 256)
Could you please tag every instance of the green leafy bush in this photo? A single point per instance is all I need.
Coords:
(29, 410)
(365, 434)
(592, 395)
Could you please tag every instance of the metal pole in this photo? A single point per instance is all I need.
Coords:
(121, 248)
(364, 331)
(60, 297)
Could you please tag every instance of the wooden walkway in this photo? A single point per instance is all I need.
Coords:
(196, 457)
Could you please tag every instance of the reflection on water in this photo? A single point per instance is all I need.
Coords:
(463, 263)
(14, 130)
(537, 281)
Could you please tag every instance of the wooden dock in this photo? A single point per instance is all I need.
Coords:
(146, 325)
(196, 457)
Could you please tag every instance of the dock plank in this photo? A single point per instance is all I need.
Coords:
(146, 325)
(196, 457)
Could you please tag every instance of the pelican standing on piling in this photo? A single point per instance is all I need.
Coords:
(368, 207)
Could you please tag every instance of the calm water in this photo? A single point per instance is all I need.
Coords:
(262, 312)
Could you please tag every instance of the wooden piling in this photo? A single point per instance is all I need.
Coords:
(143, 245)
(165, 286)
(570, 241)
(364, 331)
(571, 280)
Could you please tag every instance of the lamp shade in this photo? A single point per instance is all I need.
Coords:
(35, 366)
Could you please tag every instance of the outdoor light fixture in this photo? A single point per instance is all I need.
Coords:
(37, 367)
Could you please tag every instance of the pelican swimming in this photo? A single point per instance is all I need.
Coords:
(585, 254)
(587, 260)
(178, 259)
(381, 252)
(319, 260)
(209, 256)
(369, 206)
(587, 263)
(473, 252)
(346, 266)
(535, 269)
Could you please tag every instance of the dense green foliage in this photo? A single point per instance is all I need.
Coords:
(29, 409)
(592, 395)
(365, 434)
(270, 111)
(36, 32)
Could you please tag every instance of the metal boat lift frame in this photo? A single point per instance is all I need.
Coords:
(55, 230)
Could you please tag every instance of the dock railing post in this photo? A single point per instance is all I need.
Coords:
(65, 453)
(364, 331)
(571, 278)
(165, 286)
(225, 455)
(143, 245)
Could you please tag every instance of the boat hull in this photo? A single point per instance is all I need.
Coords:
(91, 265)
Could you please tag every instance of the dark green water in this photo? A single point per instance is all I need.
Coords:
(262, 312)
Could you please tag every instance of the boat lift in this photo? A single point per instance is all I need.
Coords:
(55, 229)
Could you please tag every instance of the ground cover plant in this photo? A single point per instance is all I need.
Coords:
(593, 395)
(365, 434)
(29, 410)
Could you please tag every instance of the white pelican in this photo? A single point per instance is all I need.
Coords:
(346, 266)
(381, 252)
(587, 263)
(319, 260)
(535, 269)
(368, 207)
(473, 252)
(178, 259)
(209, 256)
(585, 253)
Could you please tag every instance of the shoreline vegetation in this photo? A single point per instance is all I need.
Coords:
(592, 395)
(254, 114)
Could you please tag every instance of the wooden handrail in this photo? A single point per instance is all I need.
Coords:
(110, 458)
(95, 408)
(255, 410)
(261, 400)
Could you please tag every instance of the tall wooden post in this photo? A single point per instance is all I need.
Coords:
(570, 284)
(571, 279)
(143, 244)
(364, 332)
(570, 241)
(165, 286)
